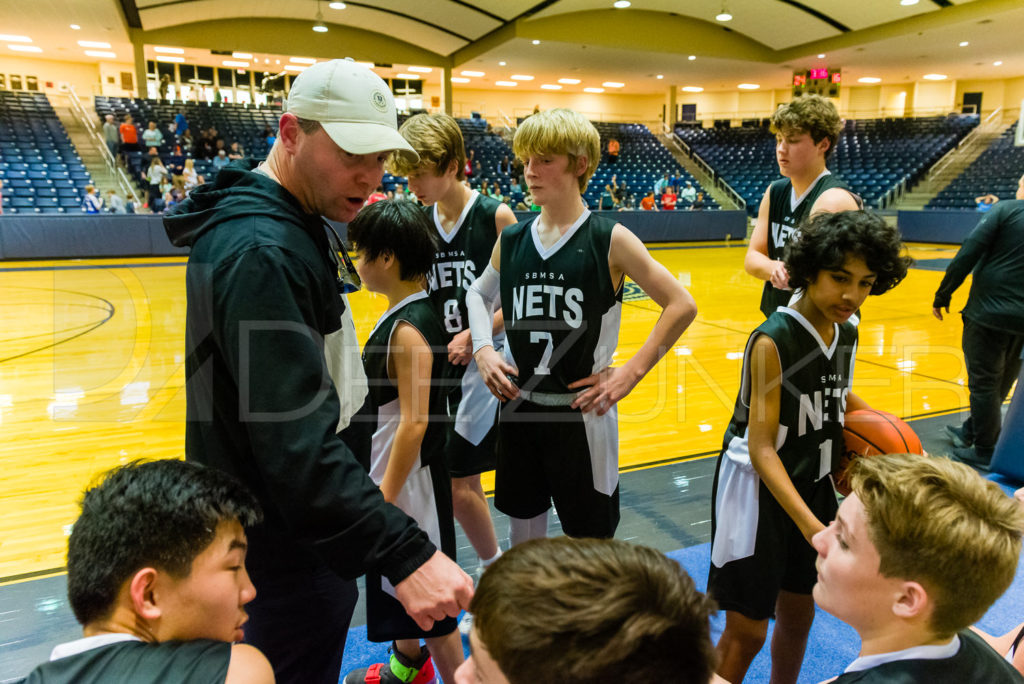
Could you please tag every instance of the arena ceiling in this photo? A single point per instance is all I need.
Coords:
(587, 40)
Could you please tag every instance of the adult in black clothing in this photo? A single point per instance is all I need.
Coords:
(993, 322)
(264, 314)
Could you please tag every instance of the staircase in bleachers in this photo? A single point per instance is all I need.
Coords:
(995, 172)
(41, 171)
(874, 156)
(234, 122)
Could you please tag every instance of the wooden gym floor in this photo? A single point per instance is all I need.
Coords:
(91, 373)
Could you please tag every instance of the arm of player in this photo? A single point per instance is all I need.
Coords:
(762, 431)
(410, 361)
(628, 256)
(460, 349)
(480, 300)
(757, 262)
(855, 403)
(834, 200)
(248, 665)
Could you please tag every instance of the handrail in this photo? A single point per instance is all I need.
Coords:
(80, 113)
(706, 168)
(967, 141)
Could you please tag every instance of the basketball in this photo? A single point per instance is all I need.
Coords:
(869, 433)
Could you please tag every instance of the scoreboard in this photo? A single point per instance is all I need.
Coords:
(821, 81)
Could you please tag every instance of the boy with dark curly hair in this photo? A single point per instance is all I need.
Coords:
(773, 489)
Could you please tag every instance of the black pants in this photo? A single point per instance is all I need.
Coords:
(993, 362)
(300, 622)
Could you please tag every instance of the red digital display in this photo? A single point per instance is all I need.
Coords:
(799, 80)
(837, 77)
(818, 74)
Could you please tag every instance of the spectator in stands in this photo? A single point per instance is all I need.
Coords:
(186, 143)
(579, 611)
(668, 200)
(165, 83)
(157, 579)
(129, 136)
(698, 203)
(985, 202)
(111, 136)
(376, 196)
(152, 137)
(613, 151)
(189, 176)
(993, 334)
(477, 168)
(469, 170)
(92, 203)
(515, 187)
(518, 169)
(155, 175)
(236, 151)
(400, 192)
(115, 205)
(607, 200)
(268, 136)
(221, 160)
(688, 194)
(917, 553)
(217, 96)
(180, 124)
(648, 203)
(504, 167)
(660, 185)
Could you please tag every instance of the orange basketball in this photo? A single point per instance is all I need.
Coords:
(870, 433)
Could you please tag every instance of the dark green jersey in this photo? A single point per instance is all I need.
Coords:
(784, 220)
(815, 381)
(561, 310)
(462, 255)
(201, 661)
(373, 428)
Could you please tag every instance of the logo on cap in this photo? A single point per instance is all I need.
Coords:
(380, 102)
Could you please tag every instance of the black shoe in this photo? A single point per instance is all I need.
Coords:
(959, 437)
(398, 670)
(971, 457)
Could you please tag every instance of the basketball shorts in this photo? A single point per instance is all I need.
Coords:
(470, 433)
(781, 560)
(558, 454)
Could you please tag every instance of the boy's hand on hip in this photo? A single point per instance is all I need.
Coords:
(606, 388)
(495, 372)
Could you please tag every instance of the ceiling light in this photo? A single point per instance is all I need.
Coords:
(550, 86)
(94, 44)
(76, 27)
(319, 26)
(25, 48)
(999, 63)
(100, 53)
(302, 60)
(660, 76)
(502, 63)
(908, 3)
(869, 79)
(593, 90)
(419, 69)
(692, 57)
(336, 5)
(521, 77)
(169, 51)
(748, 86)
(414, 77)
(506, 83)
(613, 84)
(6, 38)
(724, 14)
(536, 42)
(692, 89)
(569, 81)
(458, 79)
(368, 65)
(233, 63)
(621, 4)
(295, 67)
(169, 58)
(821, 56)
(964, 43)
(472, 74)
(935, 77)
(241, 55)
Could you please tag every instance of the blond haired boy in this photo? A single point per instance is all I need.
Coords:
(467, 225)
(559, 278)
(917, 553)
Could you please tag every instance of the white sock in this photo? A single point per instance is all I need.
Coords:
(524, 529)
(485, 563)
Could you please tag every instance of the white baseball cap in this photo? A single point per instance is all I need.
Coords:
(354, 106)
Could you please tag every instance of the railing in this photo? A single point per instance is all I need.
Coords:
(88, 122)
(991, 123)
(704, 167)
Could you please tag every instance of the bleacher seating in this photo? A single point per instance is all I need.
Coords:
(41, 171)
(234, 122)
(873, 155)
(996, 171)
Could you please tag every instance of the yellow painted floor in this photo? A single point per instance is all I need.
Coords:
(91, 374)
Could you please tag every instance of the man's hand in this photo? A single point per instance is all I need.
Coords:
(937, 312)
(606, 388)
(460, 349)
(436, 590)
(779, 276)
(494, 371)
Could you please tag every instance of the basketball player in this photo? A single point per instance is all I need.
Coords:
(400, 428)
(560, 278)
(917, 553)
(156, 577)
(467, 225)
(772, 488)
(806, 131)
